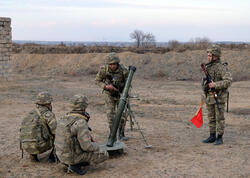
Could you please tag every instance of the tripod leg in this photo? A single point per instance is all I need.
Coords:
(131, 122)
(139, 128)
(130, 116)
(227, 100)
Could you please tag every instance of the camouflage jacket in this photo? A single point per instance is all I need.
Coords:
(118, 78)
(73, 138)
(222, 79)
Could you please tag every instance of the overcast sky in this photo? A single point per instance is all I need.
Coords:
(114, 20)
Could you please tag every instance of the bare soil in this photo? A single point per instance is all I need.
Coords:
(164, 110)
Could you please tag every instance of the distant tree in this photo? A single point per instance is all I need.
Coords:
(137, 35)
(62, 44)
(201, 43)
(143, 39)
(149, 40)
(173, 44)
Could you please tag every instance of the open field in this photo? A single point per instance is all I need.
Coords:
(163, 111)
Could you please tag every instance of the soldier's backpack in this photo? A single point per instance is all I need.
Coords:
(34, 136)
(65, 142)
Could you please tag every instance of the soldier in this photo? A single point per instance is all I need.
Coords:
(111, 78)
(74, 144)
(38, 128)
(221, 80)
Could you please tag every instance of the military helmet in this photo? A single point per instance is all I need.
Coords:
(79, 102)
(214, 50)
(112, 58)
(44, 98)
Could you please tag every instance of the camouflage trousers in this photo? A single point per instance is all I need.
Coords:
(111, 104)
(92, 157)
(215, 118)
(34, 147)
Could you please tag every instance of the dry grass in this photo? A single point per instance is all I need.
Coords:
(169, 66)
(173, 45)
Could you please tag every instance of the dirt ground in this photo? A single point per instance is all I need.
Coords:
(163, 110)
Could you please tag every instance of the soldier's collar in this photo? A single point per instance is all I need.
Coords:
(216, 61)
(78, 114)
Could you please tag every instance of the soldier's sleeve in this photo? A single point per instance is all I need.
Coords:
(100, 77)
(83, 136)
(226, 79)
(204, 84)
(51, 121)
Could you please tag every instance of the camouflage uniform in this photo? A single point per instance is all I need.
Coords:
(112, 97)
(222, 80)
(73, 140)
(42, 124)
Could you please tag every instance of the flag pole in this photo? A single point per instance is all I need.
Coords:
(202, 103)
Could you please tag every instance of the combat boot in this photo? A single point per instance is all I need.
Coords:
(34, 158)
(77, 169)
(52, 157)
(122, 135)
(219, 140)
(210, 139)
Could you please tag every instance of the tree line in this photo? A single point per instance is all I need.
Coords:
(143, 42)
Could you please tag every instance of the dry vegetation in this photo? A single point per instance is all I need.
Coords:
(173, 45)
(170, 66)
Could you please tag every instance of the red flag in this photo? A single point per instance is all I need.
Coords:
(197, 119)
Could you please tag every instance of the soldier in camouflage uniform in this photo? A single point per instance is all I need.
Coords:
(111, 78)
(74, 144)
(38, 128)
(221, 81)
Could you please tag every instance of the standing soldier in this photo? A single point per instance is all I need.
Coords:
(74, 144)
(111, 78)
(221, 80)
(38, 129)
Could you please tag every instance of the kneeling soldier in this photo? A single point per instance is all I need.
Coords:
(38, 128)
(74, 144)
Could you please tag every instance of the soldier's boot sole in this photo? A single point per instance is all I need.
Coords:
(124, 138)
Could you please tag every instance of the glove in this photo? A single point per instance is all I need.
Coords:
(111, 87)
(92, 139)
